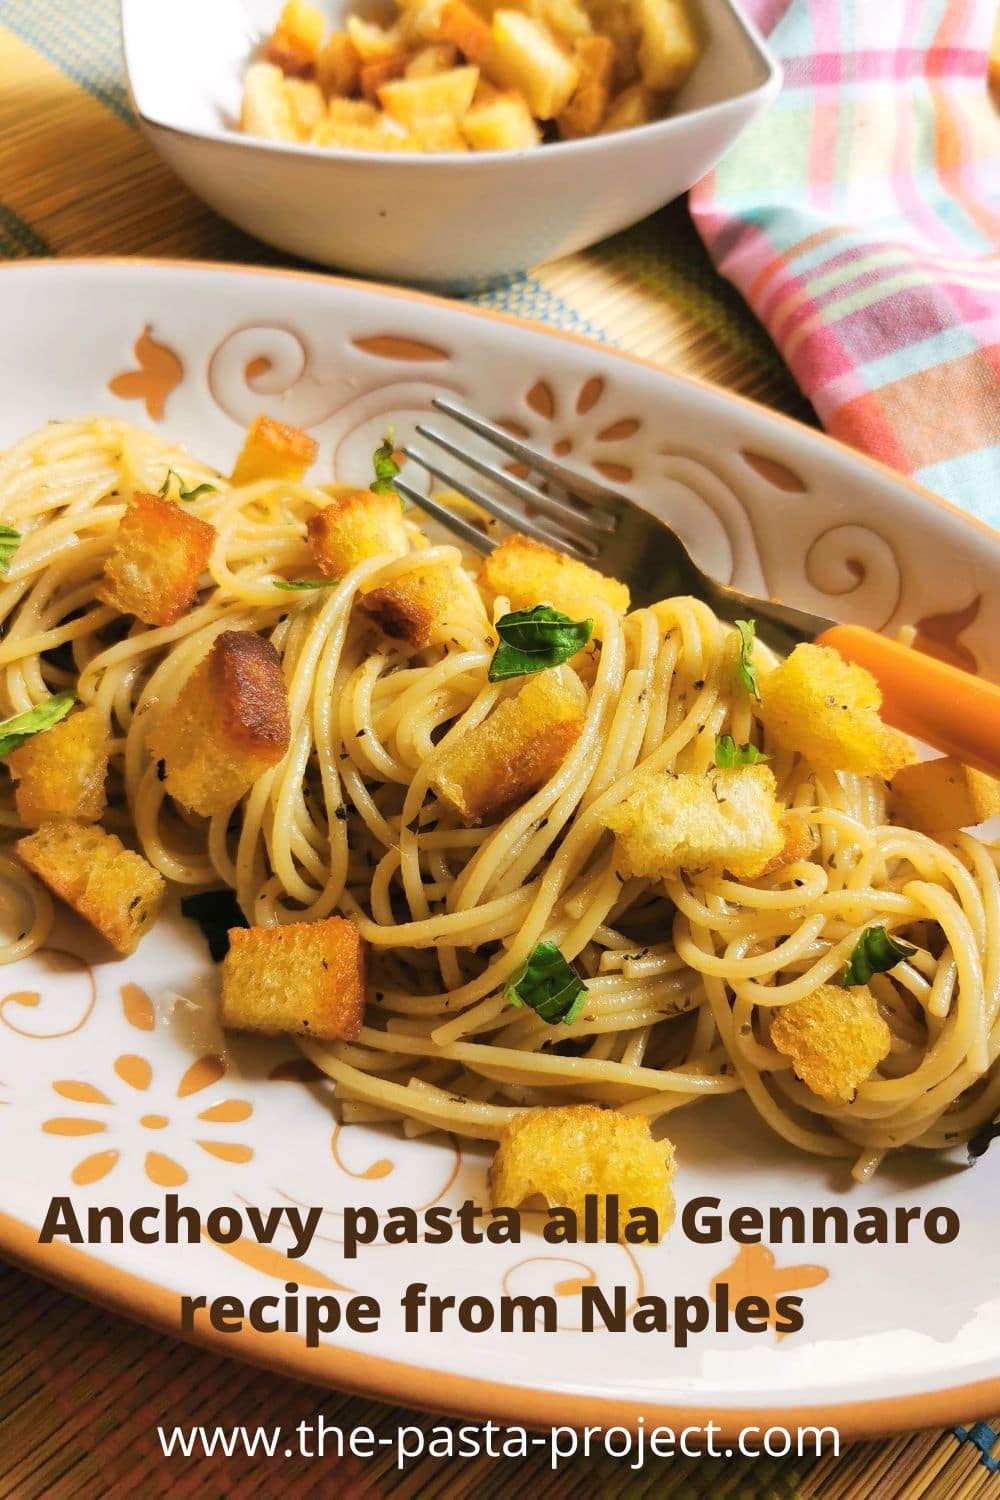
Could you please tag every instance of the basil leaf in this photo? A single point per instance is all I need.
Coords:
(182, 493)
(982, 1140)
(549, 986)
(875, 952)
(14, 732)
(745, 666)
(728, 753)
(306, 583)
(531, 640)
(9, 542)
(215, 913)
(386, 467)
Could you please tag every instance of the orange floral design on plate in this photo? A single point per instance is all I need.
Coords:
(160, 372)
(541, 399)
(135, 1072)
(754, 1273)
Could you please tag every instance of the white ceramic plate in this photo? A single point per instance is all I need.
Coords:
(111, 1093)
(444, 218)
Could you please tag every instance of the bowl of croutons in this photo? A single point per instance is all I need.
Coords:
(451, 142)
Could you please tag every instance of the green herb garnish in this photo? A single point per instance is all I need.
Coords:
(215, 913)
(386, 467)
(9, 542)
(306, 583)
(549, 986)
(745, 666)
(14, 732)
(728, 753)
(533, 639)
(182, 493)
(982, 1140)
(875, 952)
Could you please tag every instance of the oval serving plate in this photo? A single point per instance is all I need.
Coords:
(90, 1051)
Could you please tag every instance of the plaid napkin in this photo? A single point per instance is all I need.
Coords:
(860, 218)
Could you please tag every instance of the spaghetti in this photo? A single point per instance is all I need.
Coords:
(682, 977)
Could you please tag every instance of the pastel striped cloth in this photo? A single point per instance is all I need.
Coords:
(860, 218)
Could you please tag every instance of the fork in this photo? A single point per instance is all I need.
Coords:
(949, 709)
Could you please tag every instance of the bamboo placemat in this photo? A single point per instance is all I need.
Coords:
(82, 1391)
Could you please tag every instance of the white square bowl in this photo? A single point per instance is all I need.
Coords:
(458, 219)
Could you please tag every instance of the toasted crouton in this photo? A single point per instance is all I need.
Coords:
(584, 114)
(409, 100)
(725, 820)
(60, 774)
(267, 108)
(373, 43)
(668, 48)
(524, 55)
(413, 608)
(374, 74)
(437, 57)
(635, 105)
(529, 573)
(800, 842)
(566, 1152)
(517, 750)
(160, 551)
(228, 725)
(272, 450)
(295, 41)
(465, 27)
(828, 709)
(113, 889)
(933, 795)
(835, 1038)
(355, 527)
(308, 105)
(500, 122)
(338, 66)
(306, 978)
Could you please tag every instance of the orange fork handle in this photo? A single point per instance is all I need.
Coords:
(949, 709)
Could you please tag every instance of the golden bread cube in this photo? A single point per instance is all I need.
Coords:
(566, 18)
(668, 46)
(338, 67)
(501, 123)
(414, 607)
(934, 795)
(353, 528)
(528, 573)
(361, 137)
(828, 709)
(519, 747)
(836, 1039)
(228, 725)
(60, 773)
(568, 1151)
(308, 105)
(380, 71)
(438, 133)
(267, 109)
(295, 41)
(273, 450)
(116, 891)
(635, 105)
(352, 112)
(411, 99)
(616, 20)
(159, 553)
(305, 978)
(418, 22)
(373, 43)
(460, 24)
(437, 57)
(724, 820)
(584, 114)
(524, 56)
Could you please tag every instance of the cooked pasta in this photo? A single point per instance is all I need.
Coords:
(683, 975)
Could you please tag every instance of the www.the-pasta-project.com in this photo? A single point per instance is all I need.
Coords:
(409, 1444)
